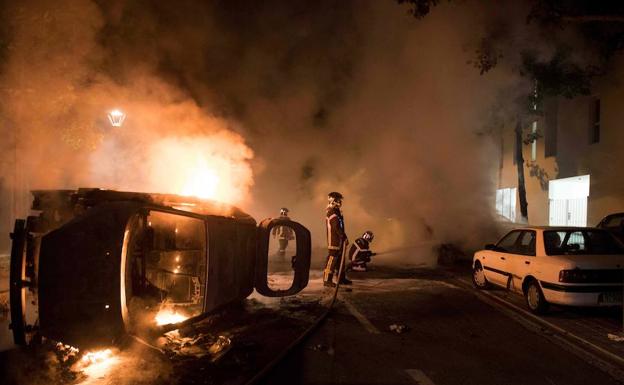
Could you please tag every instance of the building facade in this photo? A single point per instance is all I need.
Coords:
(573, 159)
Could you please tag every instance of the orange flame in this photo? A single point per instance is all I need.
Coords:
(97, 364)
(204, 167)
(168, 316)
(97, 356)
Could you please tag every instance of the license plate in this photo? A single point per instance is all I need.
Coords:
(612, 297)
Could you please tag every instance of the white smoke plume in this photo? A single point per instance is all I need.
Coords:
(286, 101)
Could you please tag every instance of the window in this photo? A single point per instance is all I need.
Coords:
(534, 126)
(594, 126)
(526, 243)
(508, 243)
(518, 242)
(534, 141)
(166, 267)
(177, 258)
(506, 203)
(596, 242)
(613, 222)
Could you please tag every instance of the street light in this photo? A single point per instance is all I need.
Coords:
(116, 118)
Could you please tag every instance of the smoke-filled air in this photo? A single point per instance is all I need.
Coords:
(262, 105)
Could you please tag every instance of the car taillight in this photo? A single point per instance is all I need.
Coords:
(591, 276)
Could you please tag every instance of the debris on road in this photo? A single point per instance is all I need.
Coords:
(398, 329)
(219, 348)
(198, 346)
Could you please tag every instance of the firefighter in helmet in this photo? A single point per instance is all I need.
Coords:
(283, 233)
(360, 253)
(336, 240)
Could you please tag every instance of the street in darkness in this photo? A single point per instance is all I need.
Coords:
(453, 337)
(311, 192)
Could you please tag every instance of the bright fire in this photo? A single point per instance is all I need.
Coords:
(215, 168)
(98, 363)
(202, 181)
(168, 316)
(97, 356)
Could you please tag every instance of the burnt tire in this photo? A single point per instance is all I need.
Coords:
(534, 298)
(478, 277)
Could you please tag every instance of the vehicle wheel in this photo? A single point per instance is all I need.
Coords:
(478, 277)
(535, 298)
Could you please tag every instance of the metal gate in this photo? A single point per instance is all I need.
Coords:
(568, 201)
(568, 212)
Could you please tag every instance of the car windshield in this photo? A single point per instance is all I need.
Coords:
(595, 242)
(613, 222)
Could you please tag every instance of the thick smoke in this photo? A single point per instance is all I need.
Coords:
(311, 97)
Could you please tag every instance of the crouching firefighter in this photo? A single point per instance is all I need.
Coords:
(283, 233)
(336, 240)
(360, 253)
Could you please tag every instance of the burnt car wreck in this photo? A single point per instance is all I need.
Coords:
(96, 265)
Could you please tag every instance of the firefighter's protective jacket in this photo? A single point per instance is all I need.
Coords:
(335, 230)
(360, 251)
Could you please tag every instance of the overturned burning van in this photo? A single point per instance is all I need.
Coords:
(96, 265)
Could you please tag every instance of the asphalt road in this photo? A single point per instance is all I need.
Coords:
(453, 338)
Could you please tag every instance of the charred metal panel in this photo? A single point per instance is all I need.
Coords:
(230, 261)
(79, 238)
(79, 276)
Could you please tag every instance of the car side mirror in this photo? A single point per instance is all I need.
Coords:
(491, 246)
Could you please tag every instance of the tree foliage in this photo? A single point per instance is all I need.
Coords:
(598, 24)
(562, 29)
(419, 8)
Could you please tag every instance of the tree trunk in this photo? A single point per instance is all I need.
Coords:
(524, 212)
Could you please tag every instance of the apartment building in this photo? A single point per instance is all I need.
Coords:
(574, 169)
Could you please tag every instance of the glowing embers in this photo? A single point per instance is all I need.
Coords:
(166, 316)
(97, 363)
(97, 356)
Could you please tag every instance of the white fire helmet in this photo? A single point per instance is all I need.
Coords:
(368, 236)
(334, 199)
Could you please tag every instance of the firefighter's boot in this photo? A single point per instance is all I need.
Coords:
(328, 280)
(343, 280)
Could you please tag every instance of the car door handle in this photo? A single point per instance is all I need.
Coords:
(503, 258)
(527, 262)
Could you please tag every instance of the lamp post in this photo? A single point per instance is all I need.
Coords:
(116, 118)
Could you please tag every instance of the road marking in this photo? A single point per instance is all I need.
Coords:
(419, 376)
(360, 317)
(525, 317)
(551, 325)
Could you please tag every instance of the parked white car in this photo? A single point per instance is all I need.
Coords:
(575, 266)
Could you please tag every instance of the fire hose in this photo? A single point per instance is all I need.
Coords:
(271, 365)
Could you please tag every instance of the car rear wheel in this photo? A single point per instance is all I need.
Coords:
(478, 277)
(535, 298)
